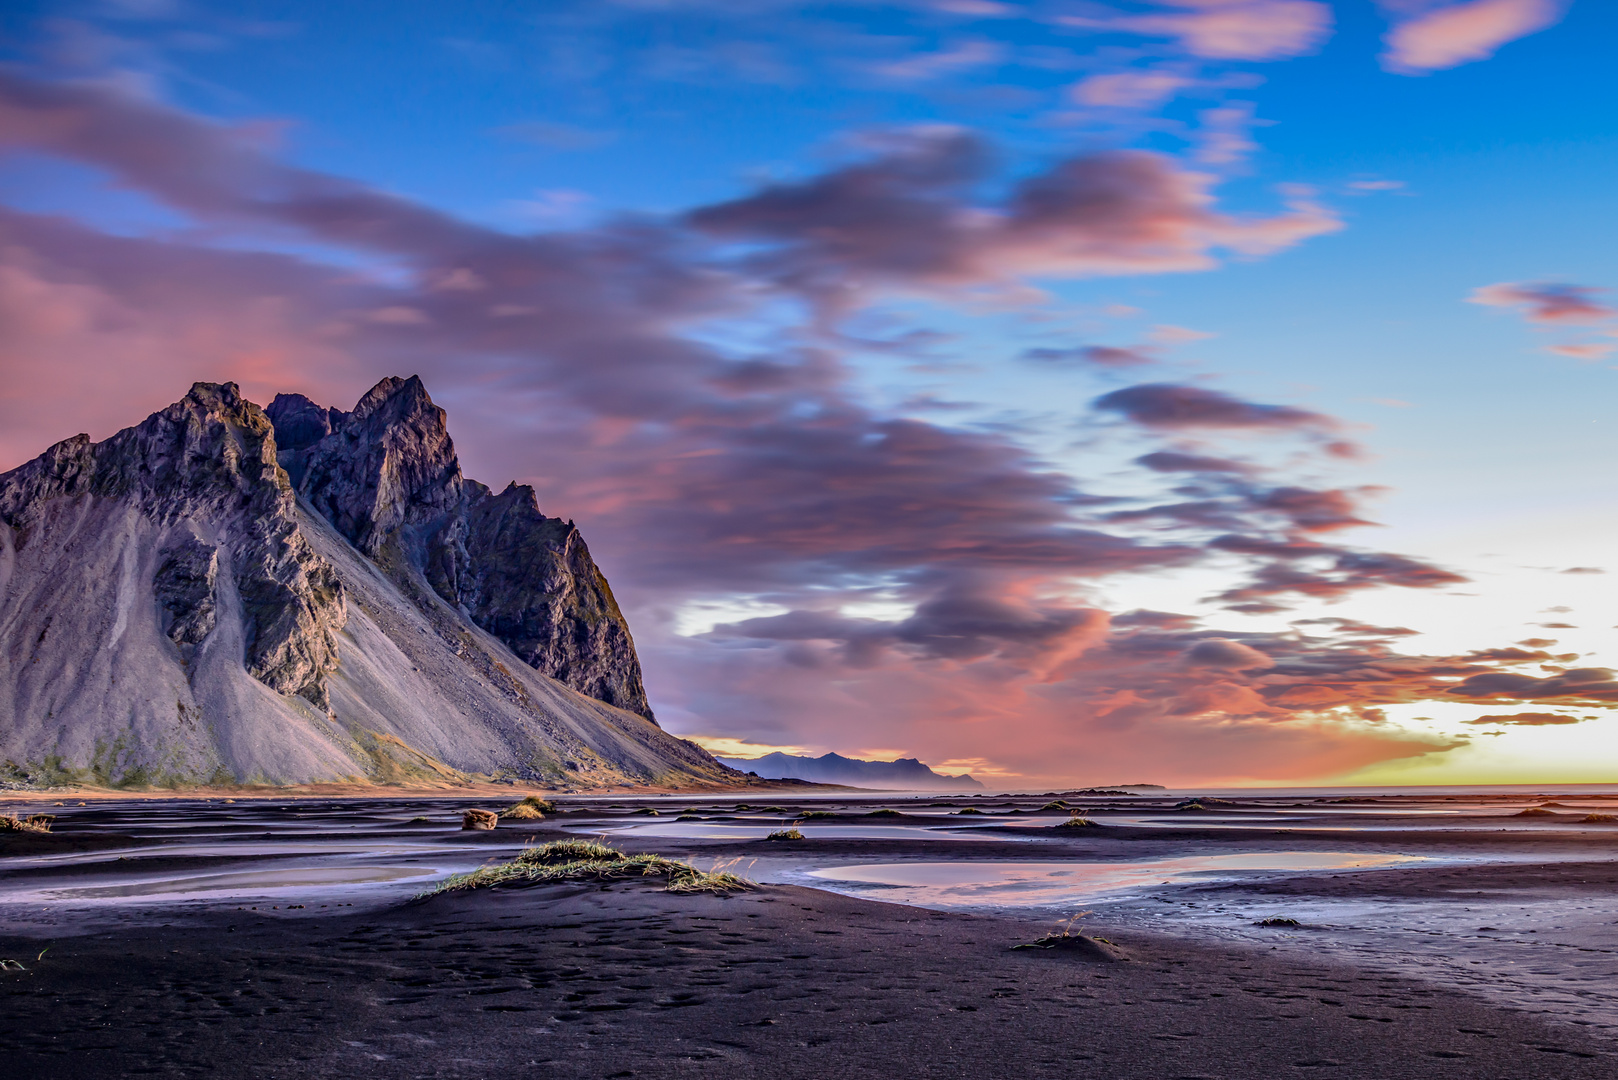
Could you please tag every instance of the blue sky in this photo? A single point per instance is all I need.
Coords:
(1378, 162)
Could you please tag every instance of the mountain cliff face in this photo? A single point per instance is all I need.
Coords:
(229, 594)
(387, 478)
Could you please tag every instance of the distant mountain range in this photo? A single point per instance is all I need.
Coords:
(226, 594)
(905, 774)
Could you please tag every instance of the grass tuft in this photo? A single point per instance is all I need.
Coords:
(1599, 819)
(589, 860)
(817, 814)
(970, 810)
(1278, 920)
(533, 808)
(1077, 820)
(884, 812)
(785, 834)
(1057, 805)
(34, 823)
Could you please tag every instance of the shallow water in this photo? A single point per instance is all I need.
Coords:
(726, 830)
(972, 883)
(247, 883)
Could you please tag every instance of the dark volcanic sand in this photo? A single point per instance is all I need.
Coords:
(785, 982)
(627, 980)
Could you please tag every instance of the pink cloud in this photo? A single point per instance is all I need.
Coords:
(1546, 302)
(1174, 407)
(1457, 34)
(905, 220)
(1241, 29)
(1128, 89)
(1530, 719)
(1105, 356)
(1583, 350)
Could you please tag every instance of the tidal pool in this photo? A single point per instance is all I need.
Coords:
(970, 883)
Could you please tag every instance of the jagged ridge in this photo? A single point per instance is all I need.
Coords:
(172, 612)
(387, 477)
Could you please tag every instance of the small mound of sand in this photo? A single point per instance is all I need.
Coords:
(1098, 950)
(479, 819)
(1534, 811)
(1599, 819)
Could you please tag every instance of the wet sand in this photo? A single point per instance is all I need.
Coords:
(322, 977)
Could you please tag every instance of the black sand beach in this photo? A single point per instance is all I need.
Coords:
(624, 979)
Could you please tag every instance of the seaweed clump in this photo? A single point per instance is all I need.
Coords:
(589, 860)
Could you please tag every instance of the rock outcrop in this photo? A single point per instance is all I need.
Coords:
(224, 594)
(387, 478)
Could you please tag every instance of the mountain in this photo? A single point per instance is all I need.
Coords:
(227, 594)
(905, 774)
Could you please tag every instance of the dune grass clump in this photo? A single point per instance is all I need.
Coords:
(817, 814)
(533, 808)
(785, 834)
(884, 812)
(646, 811)
(1535, 811)
(1599, 819)
(590, 860)
(34, 823)
(1077, 820)
(1278, 920)
(1057, 805)
(970, 810)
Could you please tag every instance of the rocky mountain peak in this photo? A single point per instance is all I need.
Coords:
(226, 594)
(387, 477)
(386, 466)
(300, 423)
(203, 473)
